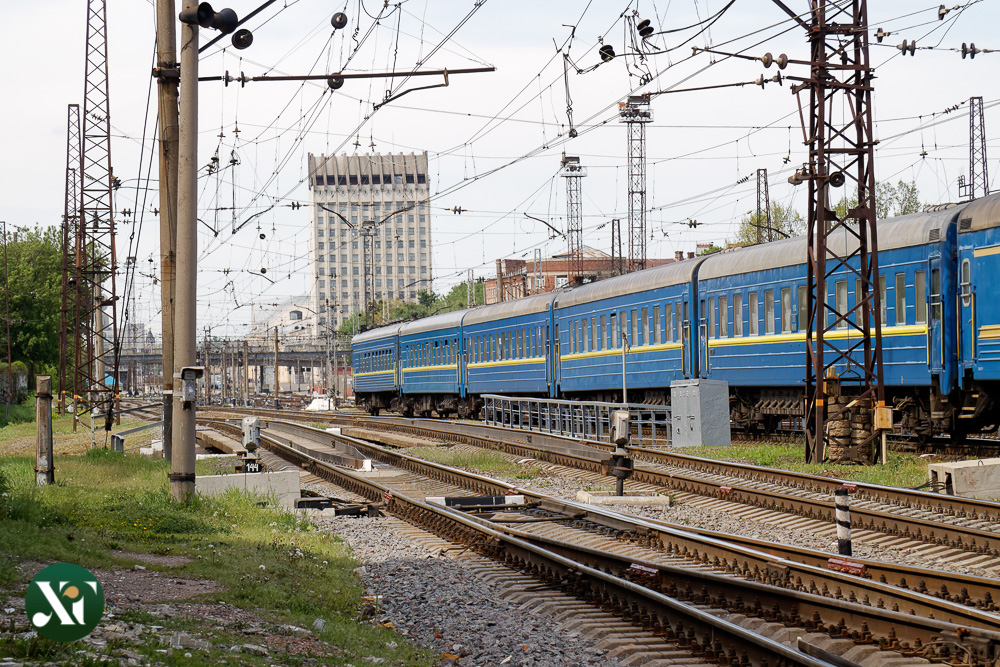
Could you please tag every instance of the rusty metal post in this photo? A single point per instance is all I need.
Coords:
(69, 230)
(840, 153)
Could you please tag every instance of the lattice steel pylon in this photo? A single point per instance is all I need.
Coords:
(844, 347)
(635, 114)
(573, 173)
(617, 259)
(762, 227)
(70, 284)
(96, 259)
(978, 184)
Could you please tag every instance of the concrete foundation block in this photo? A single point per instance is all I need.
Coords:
(284, 485)
(969, 479)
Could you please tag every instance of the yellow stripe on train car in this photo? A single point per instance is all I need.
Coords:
(800, 337)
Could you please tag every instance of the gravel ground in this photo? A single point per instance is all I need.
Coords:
(438, 602)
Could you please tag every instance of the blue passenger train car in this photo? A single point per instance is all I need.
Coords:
(738, 316)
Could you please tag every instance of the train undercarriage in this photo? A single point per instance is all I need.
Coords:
(923, 412)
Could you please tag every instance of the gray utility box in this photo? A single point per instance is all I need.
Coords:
(700, 413)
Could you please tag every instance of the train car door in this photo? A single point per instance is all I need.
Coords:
(702, 368)
(966, 310)
(935, 330)
(686, 354)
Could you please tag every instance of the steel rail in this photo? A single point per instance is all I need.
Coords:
(718, 551)
(704, 634)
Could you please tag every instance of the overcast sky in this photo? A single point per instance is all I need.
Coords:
(494, 140)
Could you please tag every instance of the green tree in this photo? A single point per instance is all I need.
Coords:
(890, 200)
(785, 220)
(34, 273)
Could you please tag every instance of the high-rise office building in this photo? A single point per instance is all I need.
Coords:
(371, 231)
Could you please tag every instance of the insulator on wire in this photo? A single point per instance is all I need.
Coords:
(645, 28)
(905, 47)
(881, 34)
(781, 61)
(970, 50)
(607, 53)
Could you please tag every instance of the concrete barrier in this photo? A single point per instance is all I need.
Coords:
(970, 479)
(284, 485)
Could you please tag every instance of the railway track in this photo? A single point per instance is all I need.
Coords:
(701, 571)
(950, 522)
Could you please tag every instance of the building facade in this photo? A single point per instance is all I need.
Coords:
(371, 231)
(516, 278)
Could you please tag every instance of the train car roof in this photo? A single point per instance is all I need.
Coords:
(674, 273)
(373, 334)
(902, 232)
(432, 323)
(983, 212)
(528, 305)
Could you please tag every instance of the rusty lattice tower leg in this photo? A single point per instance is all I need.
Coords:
(843, 340)
(979, 180)
(97, 262)
(71, 223)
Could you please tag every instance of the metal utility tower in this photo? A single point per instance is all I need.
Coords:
(843, 252)
(617, 259)
(635, 114)
(96, 260)
(470, 289)
(978, 184)
(70, 285)
(573, 173)
(539, 285)
(763, 226)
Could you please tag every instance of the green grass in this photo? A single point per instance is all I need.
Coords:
(483, 460)
(265, 559)
(23, 413)
(903, 470)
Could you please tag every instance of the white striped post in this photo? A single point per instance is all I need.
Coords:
(843, 512)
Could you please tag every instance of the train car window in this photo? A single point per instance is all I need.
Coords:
(657, 325)
(753, 314)
(602, 333)
(668, 324)
(900, 298)
(769, 311)
(801, 308)
(786, 309)
(883, 306)
(840, 302)
(614, 329)
(737, 315)
(649, 337)
(920, 296)
(711, 318)
(676, 335)
(966, 283)
(723, 317)
(634, 326)
(572, 337)
(936, 294)
(520, 343)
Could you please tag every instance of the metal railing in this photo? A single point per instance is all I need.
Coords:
(578, 419)
(119, 440)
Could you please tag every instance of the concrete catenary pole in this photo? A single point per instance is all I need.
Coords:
(186, 287)
(44, 467)
(276, 382)
(166, 61)
(843, 514)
